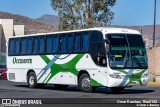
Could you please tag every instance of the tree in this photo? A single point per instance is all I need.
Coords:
(76, 14)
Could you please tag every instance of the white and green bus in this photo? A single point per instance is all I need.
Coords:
(89, 58)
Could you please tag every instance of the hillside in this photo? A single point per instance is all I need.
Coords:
(49, 19)
(31, 25)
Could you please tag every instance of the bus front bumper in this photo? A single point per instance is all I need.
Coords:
(127, 82)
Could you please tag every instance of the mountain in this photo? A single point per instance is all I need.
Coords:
(49, 19)
(32, 26)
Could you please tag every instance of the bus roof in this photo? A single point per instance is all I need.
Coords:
(106, 30)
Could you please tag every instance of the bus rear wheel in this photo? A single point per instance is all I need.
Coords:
(117, 89)
(32, 80)
(84, 83)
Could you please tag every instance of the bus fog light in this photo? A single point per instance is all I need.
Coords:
(115, 76)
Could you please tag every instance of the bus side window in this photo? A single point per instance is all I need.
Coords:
(42, 44)
(49, 44)
(17, 46)
(85, 41)
(23, 46)
(55, 44)
(77, 42)
(11, 47)
(29, 45)
(63, 43)
(35, 45)
(70, 41)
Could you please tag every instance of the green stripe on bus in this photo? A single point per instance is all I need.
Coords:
(95, 83)
(67, 67)
(45, 58)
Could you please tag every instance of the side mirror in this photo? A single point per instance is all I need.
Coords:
(107, 41)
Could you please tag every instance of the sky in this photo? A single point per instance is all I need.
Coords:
(127, 12)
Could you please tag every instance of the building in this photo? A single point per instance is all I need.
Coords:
(154, 64)
(8, 29)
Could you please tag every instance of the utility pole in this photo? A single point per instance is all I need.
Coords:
(154, 27)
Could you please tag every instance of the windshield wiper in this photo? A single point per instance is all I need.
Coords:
(125, 57)
(136, 59)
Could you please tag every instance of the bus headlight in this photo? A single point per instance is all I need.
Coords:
(115, 76)
(145, 76)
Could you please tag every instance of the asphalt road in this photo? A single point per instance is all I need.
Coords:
(20, 90)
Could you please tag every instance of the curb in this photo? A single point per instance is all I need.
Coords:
(154, 83)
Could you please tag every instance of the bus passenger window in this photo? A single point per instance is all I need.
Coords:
(85, 42)
(63, 44)
(23, 45)
(17, 47)
(78, 43)
(29, 45)
(49, 44)
(35, 45)
(11, 47)
(55, 44)
(42, 43)
(70, 43)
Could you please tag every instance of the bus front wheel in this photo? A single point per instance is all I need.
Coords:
(84, 83)
(31, 80)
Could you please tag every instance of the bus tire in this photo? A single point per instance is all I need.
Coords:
(32, 80)
(117, 89)
(84, 83)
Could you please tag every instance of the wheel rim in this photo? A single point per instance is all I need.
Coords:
(31, 80)
(86, 83)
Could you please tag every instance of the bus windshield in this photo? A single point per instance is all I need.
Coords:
(127, 51)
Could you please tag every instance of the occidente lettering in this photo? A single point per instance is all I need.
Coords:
(21, 61)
